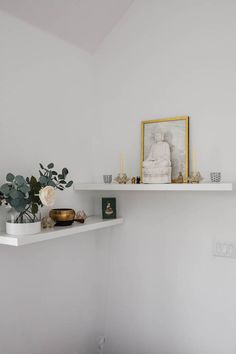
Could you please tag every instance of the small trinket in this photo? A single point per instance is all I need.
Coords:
(47, 222)
(80, 216)
(215, 177)
(138, 179)
(180, 178)
(109, 208)
(133, 180)
(195, 178)
(122, 178)
(107, 179)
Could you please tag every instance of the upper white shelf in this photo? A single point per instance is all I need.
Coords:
(92, 223)
(211, 187)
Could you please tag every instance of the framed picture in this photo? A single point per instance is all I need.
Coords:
(109, 208)
(175, 133)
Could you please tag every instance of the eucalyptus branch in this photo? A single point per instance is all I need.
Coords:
(23, 194)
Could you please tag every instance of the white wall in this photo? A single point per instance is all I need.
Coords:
(48, 302)
(151, 286)
(165, 292)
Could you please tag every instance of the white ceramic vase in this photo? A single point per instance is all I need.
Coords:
(18, 229)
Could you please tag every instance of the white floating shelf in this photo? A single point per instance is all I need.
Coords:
(211, 187)
(92, 223)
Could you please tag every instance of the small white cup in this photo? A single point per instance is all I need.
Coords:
(215, 177)
(107, 178)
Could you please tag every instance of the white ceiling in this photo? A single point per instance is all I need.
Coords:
(84, 23)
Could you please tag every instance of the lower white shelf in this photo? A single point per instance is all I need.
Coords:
(92, 223)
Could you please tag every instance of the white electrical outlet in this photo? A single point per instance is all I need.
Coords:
(224, 249)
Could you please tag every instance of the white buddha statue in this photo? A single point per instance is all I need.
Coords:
(157, 166)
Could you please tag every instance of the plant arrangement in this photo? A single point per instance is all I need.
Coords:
(27, 195)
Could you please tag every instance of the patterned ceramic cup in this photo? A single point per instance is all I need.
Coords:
(107, 178)
(215, 177)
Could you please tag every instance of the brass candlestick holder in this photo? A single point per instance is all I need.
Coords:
(122, 178)
(195, 177)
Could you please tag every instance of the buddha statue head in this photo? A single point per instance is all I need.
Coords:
(158, 135)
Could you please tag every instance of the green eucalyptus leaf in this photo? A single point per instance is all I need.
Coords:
(20, 207)
(5, 189)
(19, 180)
(60, 177)
(14, 194)
(43, 180)
(62, 182)
(51, 183)
(24, 189)
(10, 177)
(41, 166)
(54, 173)
(69, 184)
(15, 202)
(50, 165)
(65, 172)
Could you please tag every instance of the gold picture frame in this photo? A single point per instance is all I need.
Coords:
(181, 126)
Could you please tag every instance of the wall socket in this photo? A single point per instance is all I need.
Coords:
(224, 249)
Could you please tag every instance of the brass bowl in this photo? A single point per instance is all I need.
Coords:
(62, 217)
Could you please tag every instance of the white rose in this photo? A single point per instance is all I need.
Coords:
(47, 195)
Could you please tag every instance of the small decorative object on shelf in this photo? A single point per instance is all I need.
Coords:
(179, 179)
(26, 195)
(47, 222)
(122, 178)
(136, 180)
(80, 216)
(215, 177)
(195, 178)
(109, 208)
(62, 217)
(107, 178)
